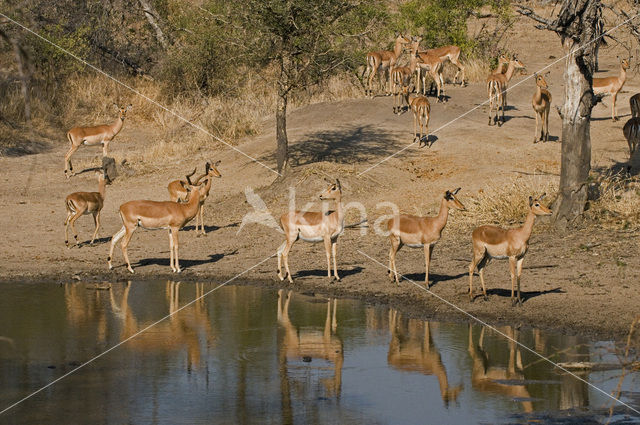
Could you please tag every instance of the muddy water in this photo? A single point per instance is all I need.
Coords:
(247, 355)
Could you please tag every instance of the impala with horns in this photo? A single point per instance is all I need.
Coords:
(83, 203)
(178, 192)
(495, 242)
(157, 215)
(497, 90)
(451, 53)
(541, 103)
(383, 60)
(420, 232)
(612, 85)
(90, 136)
(325, 226)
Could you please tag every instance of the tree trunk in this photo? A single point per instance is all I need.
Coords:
(152, 17)
(282, 150)
(576, 137)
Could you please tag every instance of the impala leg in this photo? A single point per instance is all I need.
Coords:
(426, 127)
(396, 244)
(125, 243)
(614, 116)
(68, 167)
(334, 247)
(66, 227)
(76, 216)
(519, 272)
(327, 250)
(512, 271)
(545, 124)
(96, 221)
(115, 240)
(535, 133)
(415, 124)
(279, 253)
(285, 256)
(174, 235)
(171, 251)
(474, 262)
(105, 148)
(427, 259)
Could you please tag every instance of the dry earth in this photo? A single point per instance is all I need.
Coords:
(582, 281)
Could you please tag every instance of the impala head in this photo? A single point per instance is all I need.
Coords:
(211, 170)
(196, 190)
(402, 39)
(452, 201)
(540, 81)
(537, 208)
(517, 63)
(122, 111)
(334, 191)
(624, 63)
(503, 58)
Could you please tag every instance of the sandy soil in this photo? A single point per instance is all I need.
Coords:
(582, 281)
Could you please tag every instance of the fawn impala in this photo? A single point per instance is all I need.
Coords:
(383, 60)
(99, 135)
(451, 53)
(497, 90)
(495, 242)
(313, 227)
(419, 232)
(178, 193)
(612, 85)
(401, 77)
(82, 203)
(541, 103)
(157, 215)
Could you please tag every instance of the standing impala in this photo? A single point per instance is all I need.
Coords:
(451, 53)
(99, 135)
(612, 85)
(178, 192)
(497, 90)
(495, 242)
(503, 63)
(82, 203)
(383, 60)
(313, 227)
(421, 109)
(157, 215)
(401, 77)
(541, 105)
(432, 65)
(419, 232)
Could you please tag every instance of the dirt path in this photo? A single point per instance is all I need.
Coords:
(584, 281)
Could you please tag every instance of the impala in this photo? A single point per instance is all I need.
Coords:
(495, 242)
(497, 90)
(634, 103)
(503, 63)
(421, 109)
(99, 135)
(379, 61)
(631, 131)
(432, 65)
(178, 192)
(612, 85)
(313, 227)
(541, 103)
(401, 77)
(157, 215)
(451, 53)
(419, 232)
(82, 203)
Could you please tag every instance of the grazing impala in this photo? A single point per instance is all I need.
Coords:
(497, 90)
(421, 109)
(612, 85)
(82, 203)
(419, 232)
(495, 242)
(383, 60)
(178, 192)
(451, 53)
(313, 227)
(541, 105)
(157, 215)
(99, 135)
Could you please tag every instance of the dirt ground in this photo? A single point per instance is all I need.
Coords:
(584, 281)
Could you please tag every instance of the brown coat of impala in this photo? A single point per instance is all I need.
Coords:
(90, 136)
(419, 232)
(383, 60)
(313, 227)
(497, 90)
(541, 103)
(401, 77)
(612, 85)
(432, 65)
(451, 53)
(495, 242)
(178, 193)
(82, 203)
(503, 64)
(421, 109)
(157, 215)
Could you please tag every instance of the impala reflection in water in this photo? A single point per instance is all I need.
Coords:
(243, 354)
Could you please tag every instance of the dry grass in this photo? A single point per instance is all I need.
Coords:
(615, 201)
(476, 70)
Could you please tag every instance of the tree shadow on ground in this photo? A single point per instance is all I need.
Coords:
(345, 145)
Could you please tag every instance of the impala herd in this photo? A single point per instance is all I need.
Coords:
(187, 197)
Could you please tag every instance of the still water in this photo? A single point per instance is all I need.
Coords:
(247, 355)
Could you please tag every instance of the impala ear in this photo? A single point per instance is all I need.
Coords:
(207, 168)
(530, 201)
(338, 183)
(115, 105)
(447, 195)
(542, 196)
(455, 192)
(129, 107)
(217, 163)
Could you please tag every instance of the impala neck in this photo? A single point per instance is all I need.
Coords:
(443, 215)
(413, 64)
(623, 75)
(192, 206)
(117, 125)
(397, 49)
(527, 227)
(538, 96)
(339, 210)
(102, 185)
(510, 70)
